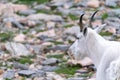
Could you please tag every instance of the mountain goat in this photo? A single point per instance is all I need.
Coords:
(104, 54)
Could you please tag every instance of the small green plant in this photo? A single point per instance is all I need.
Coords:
(29, 2)
(8, 79)
(104, 16)
(105, 33)
(58, 56)
(57, 42)
(45, 11)
(67, 26)
(22, 59)
(6, 36)
(73, 17)
(67, 69)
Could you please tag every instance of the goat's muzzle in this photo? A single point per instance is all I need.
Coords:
(70, 54)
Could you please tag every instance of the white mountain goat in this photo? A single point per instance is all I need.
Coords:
(104, 54)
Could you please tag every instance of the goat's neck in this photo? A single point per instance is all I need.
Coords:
(96, 46)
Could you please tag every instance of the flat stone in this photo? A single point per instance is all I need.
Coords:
(14, 22)
(26, 73)
(114, 12)
(59, 47)
(17, 49)
(73, 30)
(49, 68)
(9, 74)
(111, 3)
(45, 17)
(27, 12)
(17, 65)
(50, 61)
(45, 38)
(41, 7)
(38, 49)
(83, 71)
(76, 79)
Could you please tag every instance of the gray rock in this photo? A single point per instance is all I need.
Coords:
(26, 73)
(111, 3)
(76, 12)
(10, 74)
(83, 71)
(59, 47)
(27, 12)
(113, 22)
(40, 73)
(50, 61)
(17, 49)
(65, 3)
(63, 11)
(76, 79)
(73, 30)
(14, 22)
(38, 49)
(45, 38)
(58, 3)
(114, 12)
(49, 68)
(41, 7)
(82, 3)
(17, 65)
(45, 17)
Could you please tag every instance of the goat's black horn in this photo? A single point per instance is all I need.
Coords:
(80, 22)
(91, 19)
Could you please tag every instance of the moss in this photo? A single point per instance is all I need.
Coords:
(8, 79)
(44, 11)
(26, 59)
(57, 42)
(58, 56)
(22, 59)
(116, 7)
(26, 31)
(53, 7)
(73, 17)
(6, 36)
(105, 33)
(23, 78)
(104, 16)
(67, 26)
(58, 13)
(67, 69)
(29, 2)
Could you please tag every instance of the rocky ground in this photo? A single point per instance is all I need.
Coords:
(35, 35)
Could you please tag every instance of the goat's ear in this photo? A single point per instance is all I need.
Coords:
(99, 28)
(85, 31)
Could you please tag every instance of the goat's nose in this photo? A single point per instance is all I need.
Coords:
(70, 54)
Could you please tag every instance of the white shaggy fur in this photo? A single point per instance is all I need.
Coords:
(104, 54)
